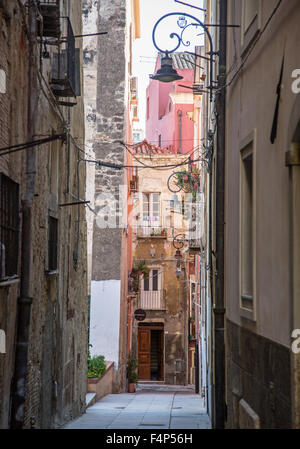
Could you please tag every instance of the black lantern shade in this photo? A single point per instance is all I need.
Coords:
(166, 73)
(178, 255)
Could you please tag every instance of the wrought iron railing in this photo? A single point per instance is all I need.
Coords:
(65, 81)
(152, 300)
(151, 231)
(52, 243)
(9, 227)
(50, 12)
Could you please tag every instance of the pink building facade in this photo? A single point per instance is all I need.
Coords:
(170, 107)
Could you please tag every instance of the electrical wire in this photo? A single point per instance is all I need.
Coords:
(162, 166)
(23, 146)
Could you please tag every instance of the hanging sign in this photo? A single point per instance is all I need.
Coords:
(140, 314)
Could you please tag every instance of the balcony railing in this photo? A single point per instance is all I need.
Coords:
(151, 231)
(49, 10)
(152, 300)
(65, 73)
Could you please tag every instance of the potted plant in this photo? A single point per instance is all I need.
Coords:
(163, 233)
(133, 273)
(132, 375)
(142, 268)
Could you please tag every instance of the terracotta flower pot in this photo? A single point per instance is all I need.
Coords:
(131, 388)
(185, 178)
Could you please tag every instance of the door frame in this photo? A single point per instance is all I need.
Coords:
(158, 327)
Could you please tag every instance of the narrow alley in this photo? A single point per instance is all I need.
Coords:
(159, 407)
(149, 215)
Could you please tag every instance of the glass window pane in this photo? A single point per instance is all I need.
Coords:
(155, 280)
(146, 284)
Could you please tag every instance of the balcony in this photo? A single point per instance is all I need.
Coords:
(194, 246)
(49, 10)
(65, 72)
(152, 300)
(134, 184)
(154, 232)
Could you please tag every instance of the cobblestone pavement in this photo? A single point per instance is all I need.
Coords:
(163, 407)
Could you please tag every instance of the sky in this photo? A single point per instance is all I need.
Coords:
(144, 52)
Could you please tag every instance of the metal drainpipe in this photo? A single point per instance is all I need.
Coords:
(219, 307)
(185, 314)
(179, 113)
(24, 301)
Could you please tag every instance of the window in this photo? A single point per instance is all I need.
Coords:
(9, 227)
(151, 282)
(250, 22)
(136, 138)
(148, 108)
(151, 209)
(247, 220)
(250, 13)
(247, 230)
(151, 297)
(135, 115)
(52, 243)
(2, 81)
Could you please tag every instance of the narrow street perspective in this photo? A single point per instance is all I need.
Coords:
(154, 408)
(149, 215)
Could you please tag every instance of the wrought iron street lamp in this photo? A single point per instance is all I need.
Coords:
(184, 22)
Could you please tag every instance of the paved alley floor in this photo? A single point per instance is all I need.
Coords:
(162, 408)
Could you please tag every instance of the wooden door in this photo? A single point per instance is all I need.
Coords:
(144, 346)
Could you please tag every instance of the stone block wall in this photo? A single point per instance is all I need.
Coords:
(258, 373)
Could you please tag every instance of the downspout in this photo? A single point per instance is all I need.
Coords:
(179, 113)
(219, 306)
(25, 300)
(185, 317)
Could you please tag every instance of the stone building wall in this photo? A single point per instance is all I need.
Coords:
(260, 365)
(57, 358)
(108, 118)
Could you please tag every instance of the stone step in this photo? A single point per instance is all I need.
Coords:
(90, 399)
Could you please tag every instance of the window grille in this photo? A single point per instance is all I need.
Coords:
(49, 10)
(52, 243)
(9, 227)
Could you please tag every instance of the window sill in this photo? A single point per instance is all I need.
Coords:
(52, 273)
(152, 236)
(9, 281)
(247, 313)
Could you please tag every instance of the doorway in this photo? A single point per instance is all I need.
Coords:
(151, 352)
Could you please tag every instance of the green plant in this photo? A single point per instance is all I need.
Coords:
(155, 233)
(132, 367)
(142, 267)
(96, 366)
